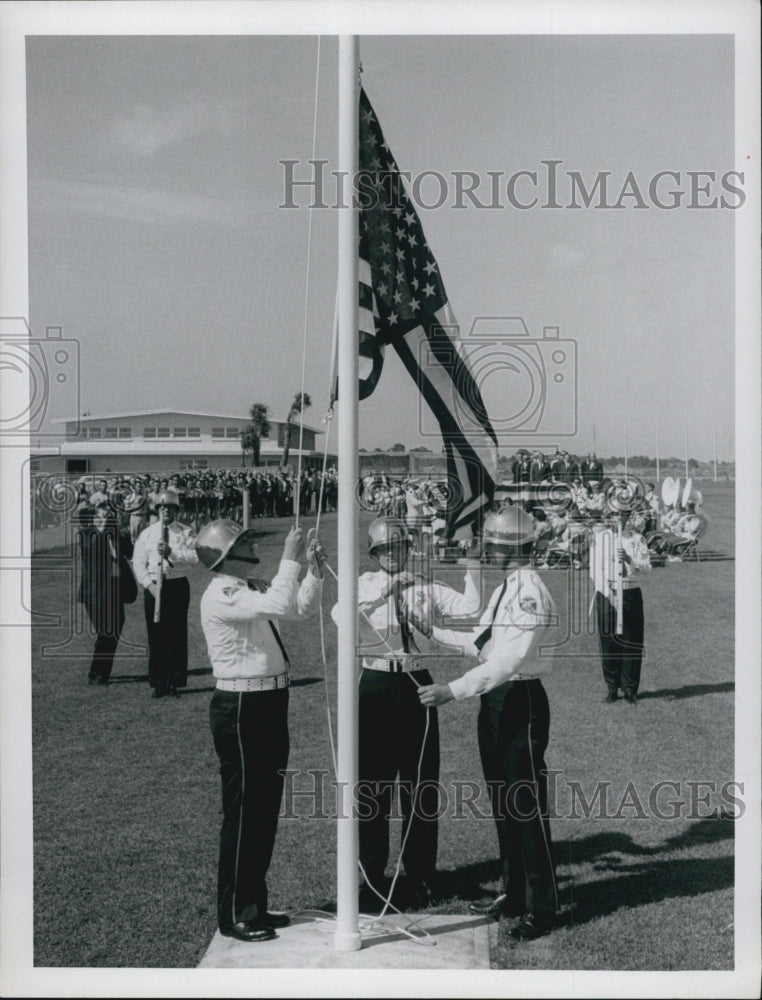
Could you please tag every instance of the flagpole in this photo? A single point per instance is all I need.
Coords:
(347, 936)
(714, 436)
(657, 452)
(686, 454)
(625, 449)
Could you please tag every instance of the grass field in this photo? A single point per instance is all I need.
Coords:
(127, 798)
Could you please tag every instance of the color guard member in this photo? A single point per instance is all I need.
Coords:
(398, 738)
(248, 712)
(514, 721)
(611, 568)
(166, 553)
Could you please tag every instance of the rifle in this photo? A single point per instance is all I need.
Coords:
(160, 575)
(619, 579)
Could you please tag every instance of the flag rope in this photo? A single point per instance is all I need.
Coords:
(297, 491)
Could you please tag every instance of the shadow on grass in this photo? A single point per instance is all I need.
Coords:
(600, 846)
(688, 691)
(143, 678)
(642, 883)
(465, 882)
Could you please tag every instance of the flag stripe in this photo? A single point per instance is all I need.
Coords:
(409, 309)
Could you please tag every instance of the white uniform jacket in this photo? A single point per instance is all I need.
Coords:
(237, 621)
(524, 625)
(145, 558)
(380, 636)
(603, 561)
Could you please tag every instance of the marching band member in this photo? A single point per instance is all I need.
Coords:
(614, 571)
(398, 737)
(166, 559)
(673, 543)
(596, 501)
(514, 721)
(248, 713)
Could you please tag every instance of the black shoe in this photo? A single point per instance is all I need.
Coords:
(172, 690)
(96, 679)
(160, 692)
(248, 930)
(531, 927)
(373, 900)
(630, 697)
(498, 907)
(611, 696)
(273, 920)
(418, 894)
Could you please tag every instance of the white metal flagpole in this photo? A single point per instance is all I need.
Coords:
(347, 936)
(657, 453)
(714, 437)
(626, 469)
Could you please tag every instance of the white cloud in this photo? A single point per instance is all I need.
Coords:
(145, 130)
(135, 204)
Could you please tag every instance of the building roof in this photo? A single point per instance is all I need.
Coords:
(180, 413)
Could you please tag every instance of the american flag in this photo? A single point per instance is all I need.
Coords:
(403, 303)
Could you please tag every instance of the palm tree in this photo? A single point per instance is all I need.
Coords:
(301, 402)
(258, 427)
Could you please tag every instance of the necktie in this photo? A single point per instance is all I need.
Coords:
(278, 639)
(481, 640)
(261, 586)
(408, 642)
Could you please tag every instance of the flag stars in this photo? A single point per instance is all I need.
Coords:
(415, 305)
(386, 268)
(428, 289)
(393, 317)
(410, 218)
(429, 267)
(383, 289)
(399, 254)
(397, 297)
(411, 238)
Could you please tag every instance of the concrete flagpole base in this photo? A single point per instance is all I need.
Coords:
(455, 942)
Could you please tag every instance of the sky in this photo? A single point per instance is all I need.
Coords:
(157, 238)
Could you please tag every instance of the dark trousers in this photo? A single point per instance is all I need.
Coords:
(250, 732)
(168, 638)
(621, 655)
(102, 662)
(392, 724)
(513, 729)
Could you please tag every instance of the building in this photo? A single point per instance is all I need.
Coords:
(168, 441)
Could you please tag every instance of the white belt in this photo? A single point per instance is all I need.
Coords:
(393, 666)
(172, 574)
(253, 683)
